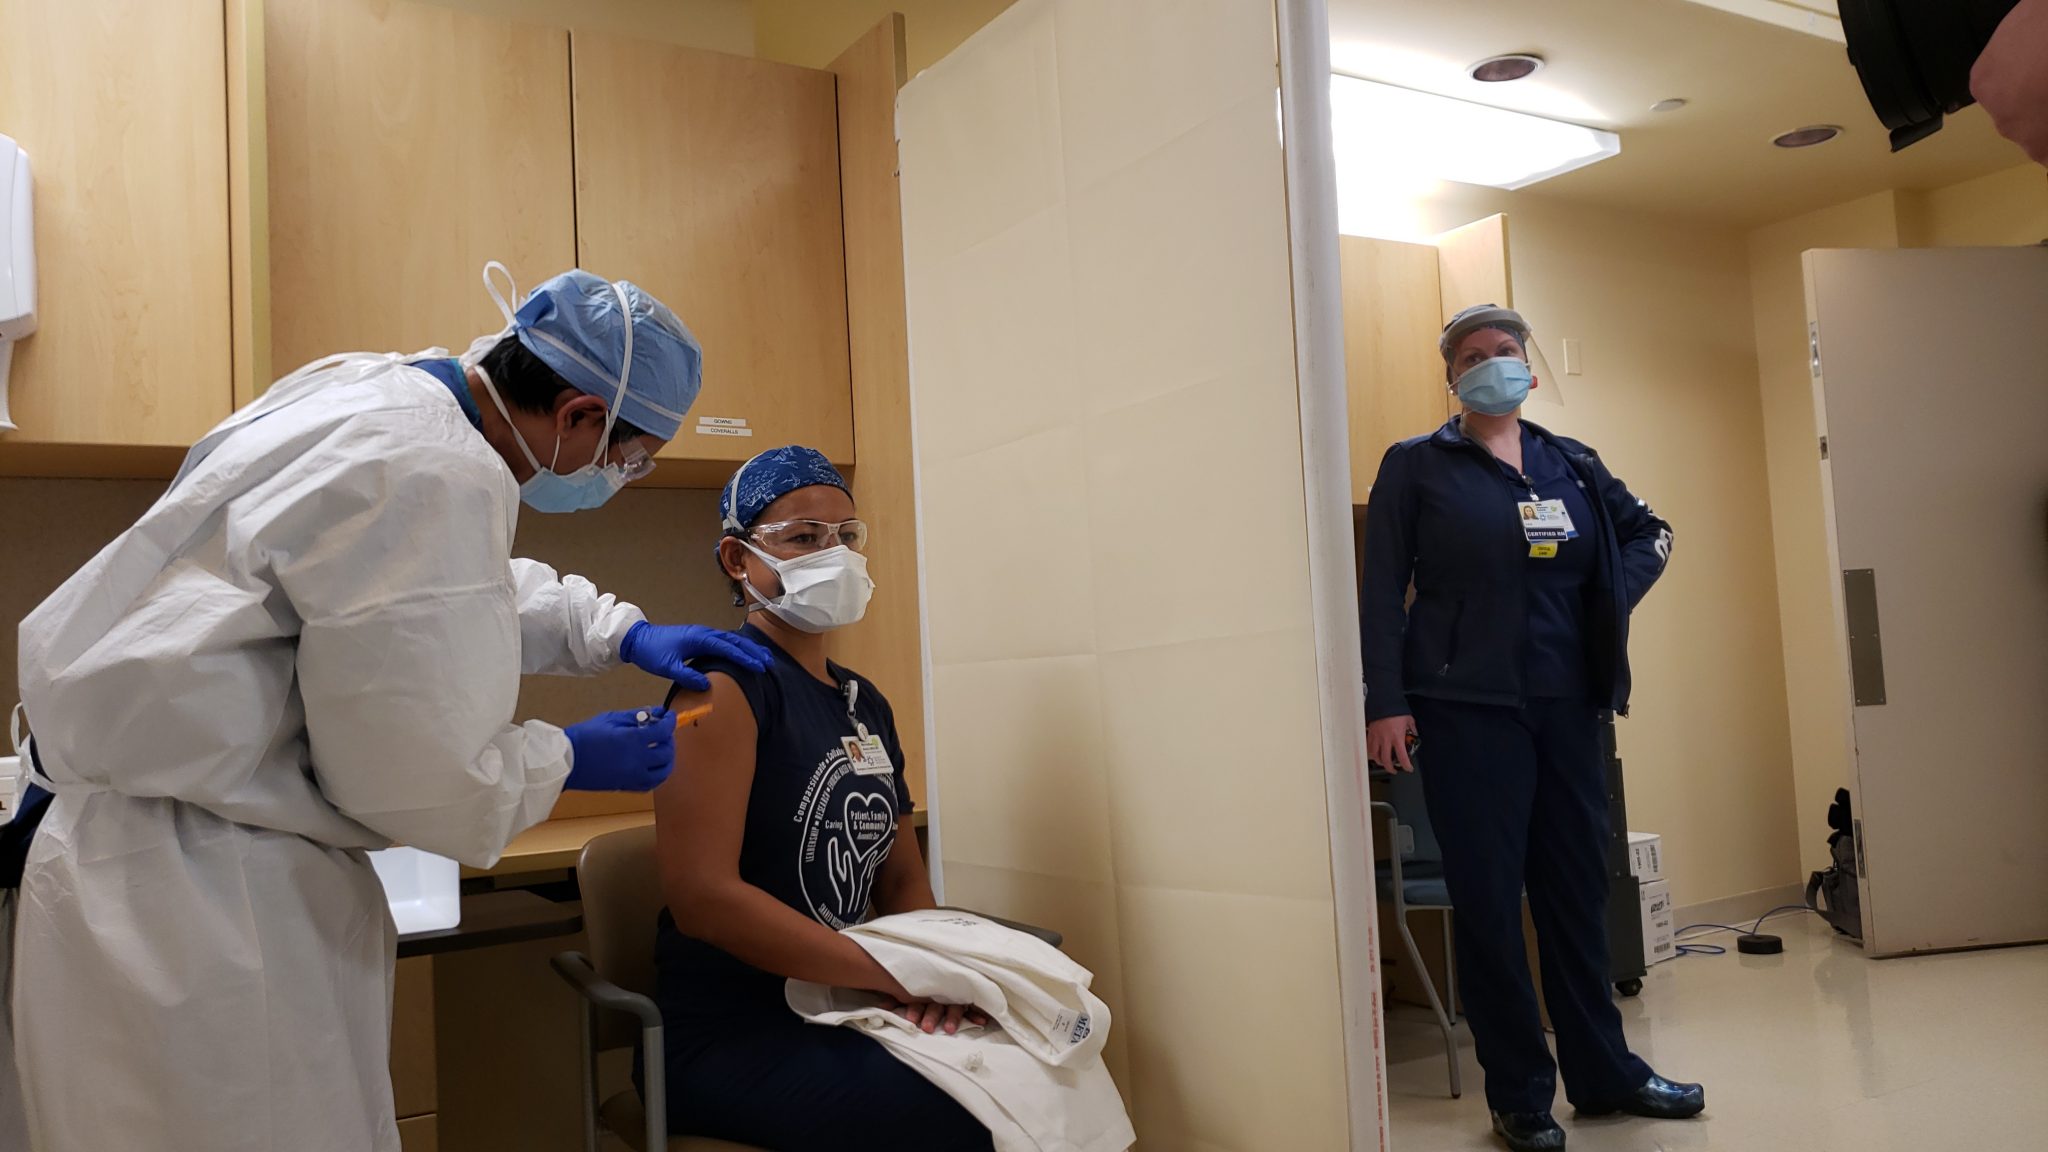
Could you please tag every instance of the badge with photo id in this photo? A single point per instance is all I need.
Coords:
(1546, 522)
(868, 756)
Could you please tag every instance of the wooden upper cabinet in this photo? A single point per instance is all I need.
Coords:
(122, 110)
(1472, 269)
(712, 181)
(1394, 379)
(408, 144)
(1397, 298)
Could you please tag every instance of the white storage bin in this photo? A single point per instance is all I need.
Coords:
(1658, 942)
(424, 890)
(10, 786)
(1646, 856)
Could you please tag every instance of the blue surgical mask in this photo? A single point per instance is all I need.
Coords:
(548, 490)
(1496, 387)
(587, 487)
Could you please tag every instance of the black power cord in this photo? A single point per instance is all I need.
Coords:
(1751, 941)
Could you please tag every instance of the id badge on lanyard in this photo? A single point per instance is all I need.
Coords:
(864, 750)
(1545, 524)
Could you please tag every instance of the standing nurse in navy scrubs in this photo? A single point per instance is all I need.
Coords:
(1526, 557)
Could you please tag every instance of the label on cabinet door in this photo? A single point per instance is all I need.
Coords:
(722, 426)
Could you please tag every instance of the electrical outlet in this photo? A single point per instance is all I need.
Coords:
(1574, 360)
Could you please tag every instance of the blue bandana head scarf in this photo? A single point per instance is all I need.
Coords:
(768, 478)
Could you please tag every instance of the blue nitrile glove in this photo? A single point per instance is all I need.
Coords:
(666, 650)
(622, 751)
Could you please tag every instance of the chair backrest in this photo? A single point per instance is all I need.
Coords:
(1404, 792)
(621, 884)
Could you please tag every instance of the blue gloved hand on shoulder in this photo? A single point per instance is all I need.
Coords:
(665, 650)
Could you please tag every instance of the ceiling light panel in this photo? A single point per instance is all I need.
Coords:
(1381, 129)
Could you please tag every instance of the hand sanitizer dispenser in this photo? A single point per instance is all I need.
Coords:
(17, 261)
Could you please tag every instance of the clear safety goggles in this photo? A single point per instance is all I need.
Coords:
(633, 462)
(802, 537)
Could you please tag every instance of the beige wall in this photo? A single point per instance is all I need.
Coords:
(1127, 736)
(651, 547)
(1669, 399)
(720, 25)
(2009, 207)
(813, 32)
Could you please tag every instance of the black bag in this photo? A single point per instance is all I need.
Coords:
(1834, 893)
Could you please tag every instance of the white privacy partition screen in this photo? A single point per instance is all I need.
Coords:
(1127, 394)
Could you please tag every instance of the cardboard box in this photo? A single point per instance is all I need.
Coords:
(1658, 942)
(1646, 856)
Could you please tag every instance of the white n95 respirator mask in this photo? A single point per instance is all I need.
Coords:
(821, 590)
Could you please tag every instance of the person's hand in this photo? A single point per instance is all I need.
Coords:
(2010, 78)
(1387, 740)
(622, 751)
(665, 650)
(930, 1016)
(926, 1015)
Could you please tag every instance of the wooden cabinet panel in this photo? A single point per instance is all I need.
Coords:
(419, 1134)
(1394, 376)
(413, 1084)
(122, 108)
(887, 647)
(511, 1064)
(712, 181)
(409, 143)
(248, 198)
(1473, 268)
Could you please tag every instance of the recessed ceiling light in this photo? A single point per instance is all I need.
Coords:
(1671, 105)
(1501, 69)
(1809, 136)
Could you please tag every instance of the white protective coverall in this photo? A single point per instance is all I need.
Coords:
(308, 648)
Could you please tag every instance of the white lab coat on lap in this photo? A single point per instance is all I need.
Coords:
(308, 648)
(1037, 1080)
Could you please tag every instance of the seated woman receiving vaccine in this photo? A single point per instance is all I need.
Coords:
(787, 819)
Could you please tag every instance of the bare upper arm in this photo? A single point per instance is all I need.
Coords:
(700, 812)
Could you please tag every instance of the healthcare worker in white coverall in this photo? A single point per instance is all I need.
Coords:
(309, 648)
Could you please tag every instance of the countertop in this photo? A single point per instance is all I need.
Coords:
(556, 844)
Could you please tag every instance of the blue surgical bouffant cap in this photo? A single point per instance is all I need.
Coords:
(768, 478)
(575, 325)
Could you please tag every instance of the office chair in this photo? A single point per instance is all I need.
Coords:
(1412, 878)
(622, 898)
(621, 887)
